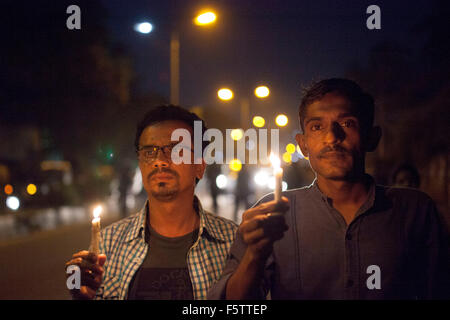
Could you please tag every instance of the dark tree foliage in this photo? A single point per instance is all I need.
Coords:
(75, 86)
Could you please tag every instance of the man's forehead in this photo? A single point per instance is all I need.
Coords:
(331, 103)
(161, 132)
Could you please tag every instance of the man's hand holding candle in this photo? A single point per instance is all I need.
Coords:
(264, 224)
(260, 228)
(91, 267)
(90, 262)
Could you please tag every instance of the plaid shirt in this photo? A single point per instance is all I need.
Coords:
(125, 247)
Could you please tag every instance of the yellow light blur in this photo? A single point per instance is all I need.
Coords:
(225, 94)
(281, 120)
(237, 134)
(31, 189)
(262, 92)
(259, 121)
(235, 165)
(290, 148)
(205, 18)
(9, 189)
(287, 157)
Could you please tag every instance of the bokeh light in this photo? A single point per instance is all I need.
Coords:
(143, 27)
(287, 157)
(236, 165)
(290, 148)
(281, 120)
(259, 121)
(8, 189)
(31, 189)
(225, 94)
(237, 134)
(13, 203)
(262, 92)
(205, 18)
(221, 181)
(261, 178)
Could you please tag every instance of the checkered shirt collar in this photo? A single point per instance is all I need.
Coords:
(206, 223)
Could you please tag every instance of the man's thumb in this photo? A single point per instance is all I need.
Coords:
(101, 259)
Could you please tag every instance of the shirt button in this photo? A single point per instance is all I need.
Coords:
(348, 236)
(349, 283)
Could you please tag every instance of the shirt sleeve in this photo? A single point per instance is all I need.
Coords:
(434, 280)
(237, 251)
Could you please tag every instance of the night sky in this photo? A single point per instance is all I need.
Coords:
(284, 44)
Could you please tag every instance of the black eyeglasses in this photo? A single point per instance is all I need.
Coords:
(150, 153)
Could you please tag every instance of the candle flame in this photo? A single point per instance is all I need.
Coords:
(276, 163)
(97, 211)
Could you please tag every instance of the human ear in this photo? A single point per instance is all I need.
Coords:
(200, 169)
(300, 138)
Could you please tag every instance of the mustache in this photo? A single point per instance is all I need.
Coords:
(162, 170)
(336, 148)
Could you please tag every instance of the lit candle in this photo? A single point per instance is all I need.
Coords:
(95, 236)
(278, 173)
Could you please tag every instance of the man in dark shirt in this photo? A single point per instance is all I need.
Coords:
(346, 238)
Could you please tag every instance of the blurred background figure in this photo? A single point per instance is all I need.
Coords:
(406, 175)
(212, 172)
(242, 191)
(125, 181)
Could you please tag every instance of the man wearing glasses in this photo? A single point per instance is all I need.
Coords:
(172, 248)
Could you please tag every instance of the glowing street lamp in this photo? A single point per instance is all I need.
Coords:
(290, 148)
(221, 181)
(205, 18)
(259, 121)
(13, 203)
(143, 27)
(8, 189)
(262, 92)
(237, 134)
(225, 94)
(31, 189)
(281, 120)
(287, 157)
(235, 165)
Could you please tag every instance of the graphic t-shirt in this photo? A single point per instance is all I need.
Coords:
(164, 274)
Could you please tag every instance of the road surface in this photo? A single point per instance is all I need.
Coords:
(32, 267)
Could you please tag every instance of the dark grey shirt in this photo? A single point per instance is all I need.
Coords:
(164, 274)
(393, 249)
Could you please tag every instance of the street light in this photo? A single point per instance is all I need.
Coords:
(9, 189)
(143, 27)
(202, 19)
(290, 148)
(261, 92)
(235, 165)
(259, 121)
(237, 134)
(281, 120)
(31, 189)
(205, 18)
(225, 94)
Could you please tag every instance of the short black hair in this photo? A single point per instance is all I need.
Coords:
(360, 100)
(169, 113)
